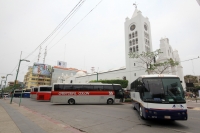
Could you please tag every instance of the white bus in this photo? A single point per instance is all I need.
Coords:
(159, 97)
(86, 93)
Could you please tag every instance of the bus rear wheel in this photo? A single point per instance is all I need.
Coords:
(71, 101)
(109, 101)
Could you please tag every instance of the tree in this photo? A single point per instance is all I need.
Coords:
(9, 89)
(190, 79)
(148, 61)
(145, 59)
(160, 68)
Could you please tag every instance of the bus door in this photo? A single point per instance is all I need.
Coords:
(119, 93)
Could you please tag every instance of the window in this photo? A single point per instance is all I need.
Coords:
(130, 43)
(136, 41)
(130, 50)
(136, 34)
(98, 87)
(88, 88)
(133, 42)
(133, 35)
(77, 87)
(45, 88)
(108, 88)
(133, 48)
(35, 89)
(137, 48)
(117, 87)
(129, 36)
(66, 87)
(135, 74)
(134, 64)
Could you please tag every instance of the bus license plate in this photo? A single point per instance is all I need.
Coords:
(167, 117)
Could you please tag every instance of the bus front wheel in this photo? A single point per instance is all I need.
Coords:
(71, 101)
(110, 101)
(141, 113)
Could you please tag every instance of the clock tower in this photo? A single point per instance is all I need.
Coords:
(137, 39)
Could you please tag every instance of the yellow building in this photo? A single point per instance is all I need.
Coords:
(32, 80)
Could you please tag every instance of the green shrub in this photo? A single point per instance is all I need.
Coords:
(123, 83)
(128, 100)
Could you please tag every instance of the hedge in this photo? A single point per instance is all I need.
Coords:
(123, 83)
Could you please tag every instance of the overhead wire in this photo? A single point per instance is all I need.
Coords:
(69, 18)
(53, 32)
(75, 25)
(55, 29)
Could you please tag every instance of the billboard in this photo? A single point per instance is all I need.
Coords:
(41, 69)
(62, 64)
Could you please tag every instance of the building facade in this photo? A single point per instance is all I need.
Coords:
(33, 80)
(61, 75)
(137, 39)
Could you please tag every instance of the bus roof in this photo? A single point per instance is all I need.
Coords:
(84, 84)
(157, 75)
(45, 86)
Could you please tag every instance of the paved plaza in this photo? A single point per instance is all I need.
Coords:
(43, 117)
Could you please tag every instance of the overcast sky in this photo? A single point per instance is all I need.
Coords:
(96, 41)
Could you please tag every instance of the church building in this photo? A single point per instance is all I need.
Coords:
(137, 39)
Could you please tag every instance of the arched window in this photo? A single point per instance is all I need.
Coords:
(136, 34)
(130, 43)
(129, 36)
(136, 41)
(137, 48)
(133, 48)
(133, 35)
(130, 50)
(133, 42)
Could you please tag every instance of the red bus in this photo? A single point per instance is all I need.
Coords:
(90, 93)
(44, 93)
(33, 94)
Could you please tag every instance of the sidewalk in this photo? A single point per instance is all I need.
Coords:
(12, 121)
(15, 119)
(6, 123)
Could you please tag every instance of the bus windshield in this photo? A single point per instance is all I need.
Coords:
(162, 90)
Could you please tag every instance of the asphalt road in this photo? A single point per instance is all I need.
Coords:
(119, 118)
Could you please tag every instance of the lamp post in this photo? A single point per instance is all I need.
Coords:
(2, 77)
(97, 76)
(16, 78)
(4, 85)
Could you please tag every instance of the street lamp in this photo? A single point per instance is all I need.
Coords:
(4, 85)
(16, 78)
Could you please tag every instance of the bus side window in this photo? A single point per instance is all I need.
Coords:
(77, 87)
(108, 88)
(88, 87)
(98, 87)
(67, 87)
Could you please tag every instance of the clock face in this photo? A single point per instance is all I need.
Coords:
(132, 27)
(145, 27)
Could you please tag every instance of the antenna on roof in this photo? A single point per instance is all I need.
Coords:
(135, 4)
(45, 54)
(39, 54)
